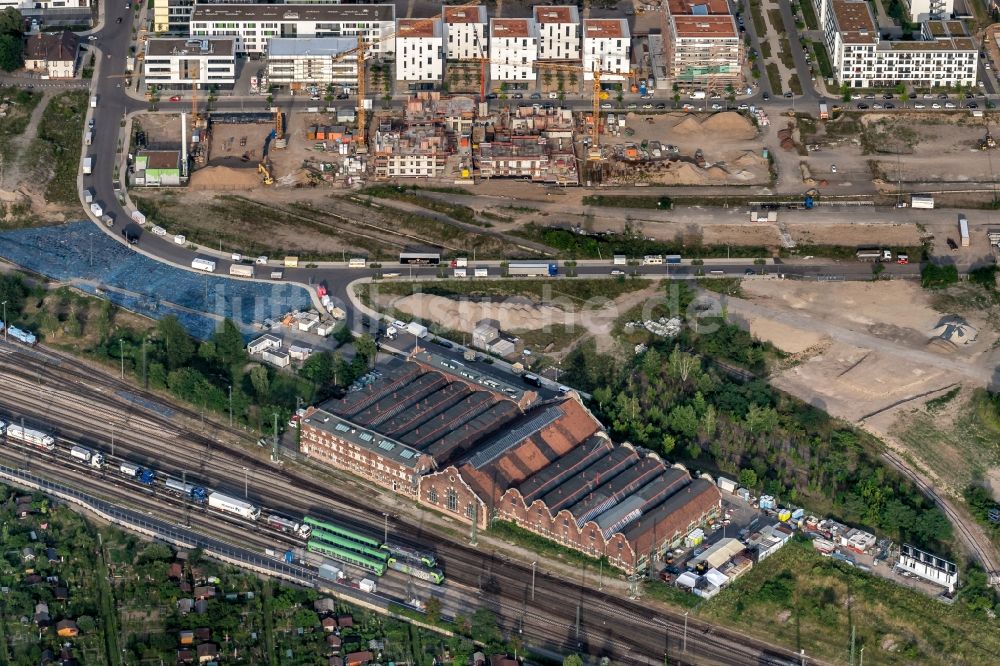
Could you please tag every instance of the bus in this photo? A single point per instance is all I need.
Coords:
(340, 531)
(339, 541)
(350, 557)
(420, 258)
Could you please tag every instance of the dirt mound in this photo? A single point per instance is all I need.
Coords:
(748, 159)
(689, 125)
(222, 177)
(734, 125)
(716, 173)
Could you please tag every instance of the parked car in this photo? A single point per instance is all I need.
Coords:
(833, 168)
(717, 107)
(918, 105)
(862, 106)
(632, 106)
(175, 98)
(518, 96)
(606, 105)
(972, 105)
(661, 106)
(553, 95)
(888, 105)
(952, 245)
(949, 105)
(788, 94)
(743, 107)
(935, 105)
(766, 96)
(647, 106)
(536, 95)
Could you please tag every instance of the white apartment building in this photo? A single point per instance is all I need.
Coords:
(558, 32)
(312, 61)
(179, 62)
(944, 56)
(703, 50)
(606, 47)
(927, 10)
(466, 32)
(253, 26)
(43, 4)
(513, 49)
(419, 50)
(928, 566)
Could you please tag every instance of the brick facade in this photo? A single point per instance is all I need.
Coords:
(446, 491)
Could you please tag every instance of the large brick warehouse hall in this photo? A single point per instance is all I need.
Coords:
(477, 446)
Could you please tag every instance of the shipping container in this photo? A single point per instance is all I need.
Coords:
(963, 229)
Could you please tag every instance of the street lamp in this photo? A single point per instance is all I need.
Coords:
(684, 646)
(533, 564)
(385, 537)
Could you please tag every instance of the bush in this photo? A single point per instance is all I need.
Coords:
(985, 277)
(934, 276)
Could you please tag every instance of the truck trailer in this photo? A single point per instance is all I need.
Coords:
(88, 166)
(963, 229)
(235, 506)
(83, 454)
(415, 329)
(921, 201)
(206, 265)
(241, 270)
(532, 268)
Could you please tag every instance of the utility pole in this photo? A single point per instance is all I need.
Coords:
(230, 405)
(274, 450)
(578, 622)
(852, 645)
(121, 349)
(6, 324)
(246, 483)
(533, 565)
(385, 530)
(684, 643)
(145, 382)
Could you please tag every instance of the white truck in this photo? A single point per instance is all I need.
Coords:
(88, 165)
(367, 585)
(241, 270)
(88, 138)
(92, 458)
(206, 265)
(481, 272)
(419, 330)
(874, 254)
(963, 229)
(88, 195)
(356, 262)
(233, 505)
(330, 572)
(96, 209)
(93, 101)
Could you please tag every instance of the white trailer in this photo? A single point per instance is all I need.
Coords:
(88, 138)
(652, 260)
(356, 262)
(92, 458)
(235, 506)
(88, 166)
(33, 437)
(96, 209)
(963, 229)
(460, 272)
(88, 195)
(419, 330)
(921, 201)
(726, 484)
(241, 270)
(129, 469)
(138, 217)
(206, 265)
(620, 260)
(481, 272)
(367, 585)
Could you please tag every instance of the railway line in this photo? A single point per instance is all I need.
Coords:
(81, 402)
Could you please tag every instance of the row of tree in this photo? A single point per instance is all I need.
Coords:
(11, 39)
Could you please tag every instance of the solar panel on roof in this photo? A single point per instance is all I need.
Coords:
(366, 436)
(387, 445)
(341, 427)
(406, 453)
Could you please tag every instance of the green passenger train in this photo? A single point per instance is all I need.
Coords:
(350, 557)
(341, 542)
(342, 532)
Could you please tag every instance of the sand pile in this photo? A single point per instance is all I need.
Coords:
(748, 159)
(687, 126)
(222, 177)
(716, 173)
(730, 123)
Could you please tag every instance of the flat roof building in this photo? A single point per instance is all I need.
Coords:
(513, 49)
(465, 28)
(315, 60)
(179, 61)
(419, 50)
(558, 32)
(606, 47)
(702, 44)
(252, 26)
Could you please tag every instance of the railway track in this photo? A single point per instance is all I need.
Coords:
(91, 396)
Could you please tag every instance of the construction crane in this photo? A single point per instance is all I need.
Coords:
(360, 52)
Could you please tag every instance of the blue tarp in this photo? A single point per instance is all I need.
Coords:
(81, 253)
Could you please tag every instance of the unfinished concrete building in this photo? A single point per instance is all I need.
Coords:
(703, 46)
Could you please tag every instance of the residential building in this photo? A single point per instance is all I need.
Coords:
(173, 16)
(928, 566)
(558, 32)
(252, 26)
(313, 61)
(44, 4)
(945, 54)
(925, 10)
(53, 53)
(546, 158)
(702, 47)
(513, 49)
(181, 62)
(474, 446)
(415, 153)
(606, 47)
(466, 32)
(419, 50)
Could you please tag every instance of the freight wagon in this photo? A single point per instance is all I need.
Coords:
(85, 455)
(189, 490)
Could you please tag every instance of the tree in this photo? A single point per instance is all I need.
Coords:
(684, 421)
(318, 368)
(176, 341)
(485, 629)
(11, 22)
(667, 444)
(13, 291)
(228, 341)
(845, 92)
(572, 660)
(366, 348)
(433, 610)
(934, 276)
(11, 52)
(342, 334)
(748, 478)
(260, 381)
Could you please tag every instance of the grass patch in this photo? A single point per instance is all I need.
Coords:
(794, 84)
(55, 153)
(727, 286)
(774, 76)
(578, 292)
(811, 602)
(765, 50)
(841, 252)
(569, 244)
(961, 451)
(939, 403)
(409, 195)
(509, 531)
(822, 57)
(21, 104)
(559, 336)
(612, 201)
(809, 14)
(757, 14)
